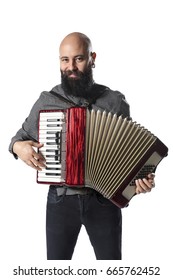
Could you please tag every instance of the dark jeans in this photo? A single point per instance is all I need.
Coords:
(65, 215)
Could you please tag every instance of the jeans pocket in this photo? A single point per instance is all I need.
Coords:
(53, 197)
(102, 200)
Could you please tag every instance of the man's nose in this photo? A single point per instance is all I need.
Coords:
(72, 65)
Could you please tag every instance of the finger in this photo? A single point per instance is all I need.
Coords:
(143, 185)
(151, 176)
(39, 157)
(38, 162)
(34, 166)
(150, 183)
(139, 189)
(146, 183)
(37, 145)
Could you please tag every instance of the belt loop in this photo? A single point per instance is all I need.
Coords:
(64, 194)
(65, 191)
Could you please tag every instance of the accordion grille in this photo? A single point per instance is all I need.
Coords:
(114, 145)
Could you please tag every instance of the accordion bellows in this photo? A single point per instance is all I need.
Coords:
(97, 149)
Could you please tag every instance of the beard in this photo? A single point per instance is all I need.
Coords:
(79, 86)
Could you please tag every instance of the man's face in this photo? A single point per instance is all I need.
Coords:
(74, 58)
(75, 66)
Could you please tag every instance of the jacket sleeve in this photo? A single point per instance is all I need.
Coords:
(124, 108)
(29, 129)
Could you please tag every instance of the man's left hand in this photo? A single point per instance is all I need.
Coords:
(146, 184)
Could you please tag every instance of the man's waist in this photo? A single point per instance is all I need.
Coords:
(64, 190)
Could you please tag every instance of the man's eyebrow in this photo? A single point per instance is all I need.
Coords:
(63, 57)
(81, 55)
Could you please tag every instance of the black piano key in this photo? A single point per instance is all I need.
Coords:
(57, 153)
(56, 136)
(50, 156)
(53, 125)
(51, 132)
(51, 138)
(52, 163)
(54, 143)
(53, 156)
(53, 168)
(53, 150)
(54, 120)
(52, 174)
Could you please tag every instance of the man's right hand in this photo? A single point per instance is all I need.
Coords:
(26, 152)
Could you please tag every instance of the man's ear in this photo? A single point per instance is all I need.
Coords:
(93, 55)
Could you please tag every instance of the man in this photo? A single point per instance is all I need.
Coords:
(69, 208)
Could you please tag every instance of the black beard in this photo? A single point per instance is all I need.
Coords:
(77, 87)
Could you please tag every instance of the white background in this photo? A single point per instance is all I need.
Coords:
(133, 42)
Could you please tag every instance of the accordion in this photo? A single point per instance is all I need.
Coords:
(95, 149)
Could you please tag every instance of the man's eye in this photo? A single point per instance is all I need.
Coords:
(64, 60)
(79, 59)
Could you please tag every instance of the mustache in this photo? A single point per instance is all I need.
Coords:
(75, 72)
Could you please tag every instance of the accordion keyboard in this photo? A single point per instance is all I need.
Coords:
(51, 134)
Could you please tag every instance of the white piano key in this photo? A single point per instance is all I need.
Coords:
(51, 175)
(50, 141)
(52, 114)
(47, 154)
(45, 147)
(54, 117)
(51, 179)
(53, 122)
(49, 137)
(53, 166)
(53, 157)
(45, 133)
(51, 127)
(44, 171)
(51, 151)
(49, 160)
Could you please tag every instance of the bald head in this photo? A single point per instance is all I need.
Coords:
(77, 39)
